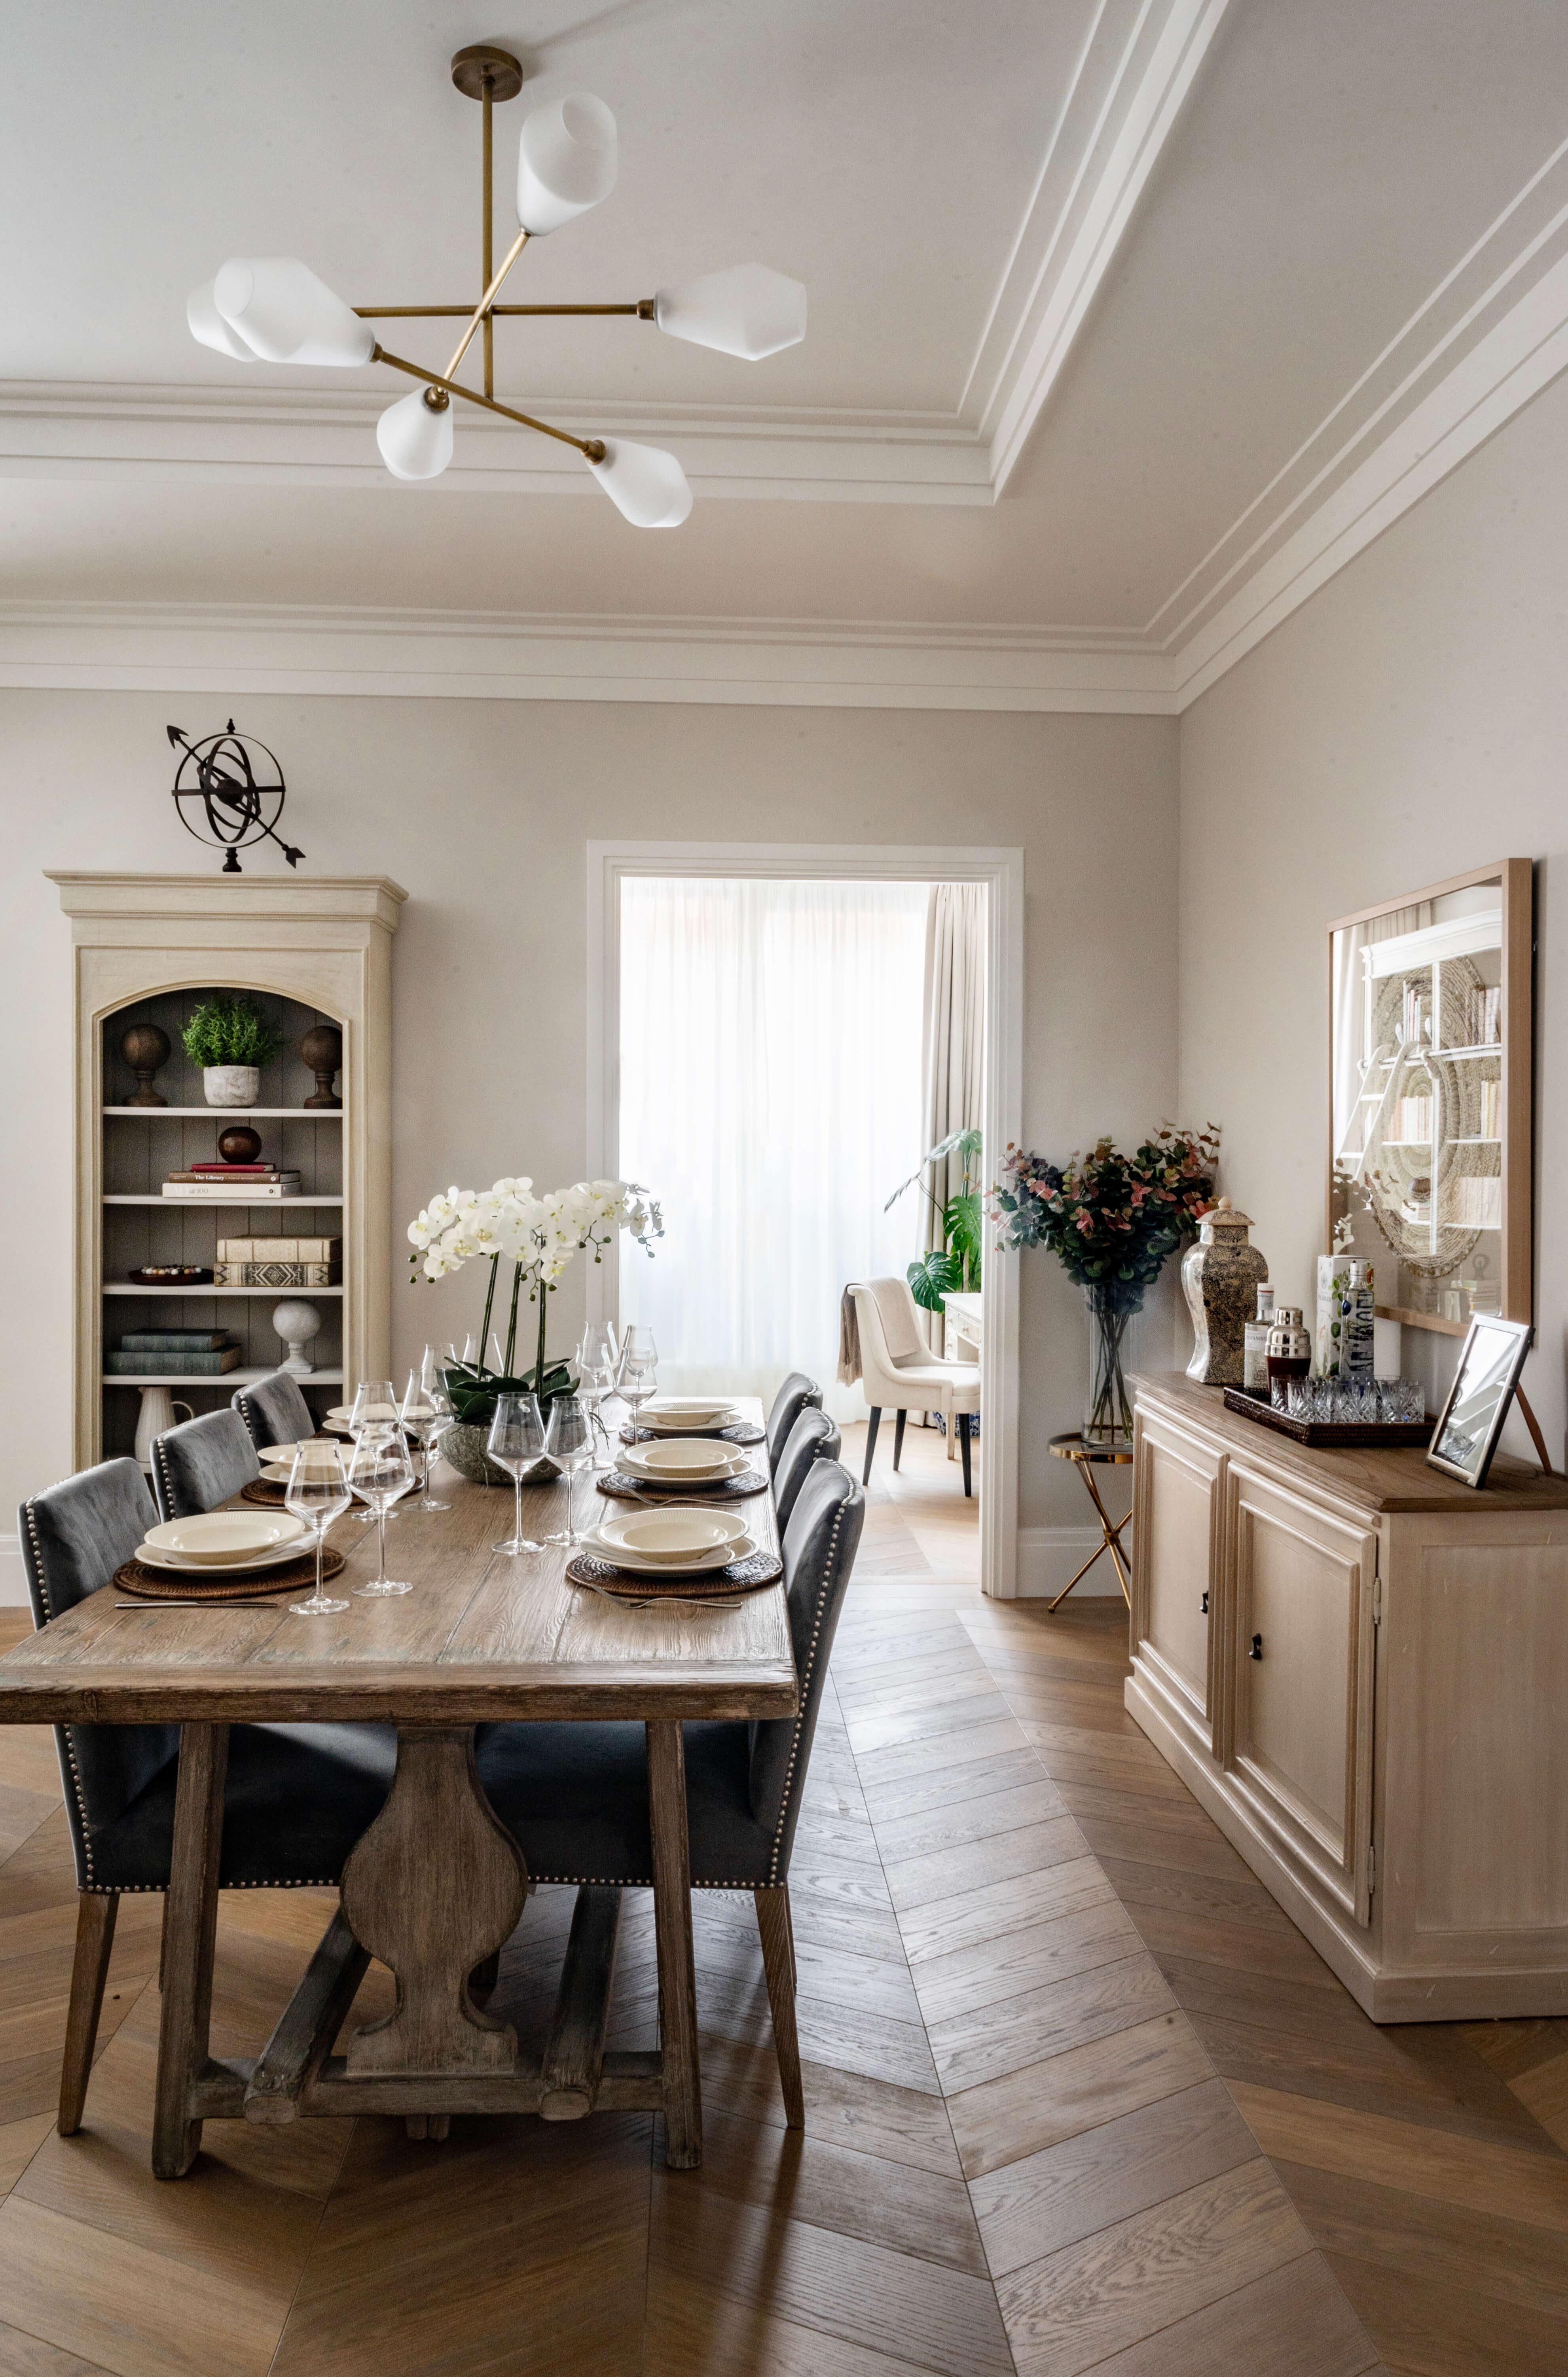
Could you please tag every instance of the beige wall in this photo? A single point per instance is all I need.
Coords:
(482, 810)
(1410, 722)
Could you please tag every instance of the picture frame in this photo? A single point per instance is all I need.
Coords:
(1476, 1405)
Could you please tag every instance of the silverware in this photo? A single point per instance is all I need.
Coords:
(199, 1605)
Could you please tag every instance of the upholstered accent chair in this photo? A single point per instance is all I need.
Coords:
(813, 1437)
(903, 1383)
(201, 1463)
(274, 1411)
(296, 1801)
(792, 1399)
(575, 1796)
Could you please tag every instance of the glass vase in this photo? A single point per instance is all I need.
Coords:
(1108, 1409)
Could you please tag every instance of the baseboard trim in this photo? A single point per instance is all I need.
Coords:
(1047, 1556)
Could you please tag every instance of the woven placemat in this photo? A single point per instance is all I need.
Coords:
(163, 1584)
(640, 1489)
(587, 1571)
(272, 1498)
(745, 1431)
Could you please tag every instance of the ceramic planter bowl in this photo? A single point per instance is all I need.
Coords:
(230, 1085)
(464, 1448)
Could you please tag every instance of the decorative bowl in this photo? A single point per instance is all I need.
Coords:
(464, 1448)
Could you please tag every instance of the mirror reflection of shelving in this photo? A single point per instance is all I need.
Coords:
(142, 1227)
(1418, 1090)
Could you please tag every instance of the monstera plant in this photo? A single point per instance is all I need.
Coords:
(955, 1266)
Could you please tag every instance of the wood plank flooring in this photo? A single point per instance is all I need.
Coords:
(1078, 2097)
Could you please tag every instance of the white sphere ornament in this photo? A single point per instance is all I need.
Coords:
(296, 1324)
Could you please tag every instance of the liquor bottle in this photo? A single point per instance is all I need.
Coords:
(1255, 1344)
(1356, 1341)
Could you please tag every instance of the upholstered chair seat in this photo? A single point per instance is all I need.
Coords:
(274, 1411)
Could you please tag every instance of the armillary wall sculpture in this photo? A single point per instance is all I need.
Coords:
(274, 309)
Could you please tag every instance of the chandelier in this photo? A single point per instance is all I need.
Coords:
(273, 308)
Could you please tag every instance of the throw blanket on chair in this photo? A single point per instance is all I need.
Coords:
(897, 1308)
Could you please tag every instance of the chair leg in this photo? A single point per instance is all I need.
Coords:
(778, 1962)
(898, 1440)
(95, 1911)
(871, 1444)
(963, 1448)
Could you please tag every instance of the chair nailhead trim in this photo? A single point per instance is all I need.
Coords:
(166, 1498)
(828, 1569)
(62, 1732)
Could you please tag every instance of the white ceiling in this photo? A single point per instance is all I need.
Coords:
(1011, 413)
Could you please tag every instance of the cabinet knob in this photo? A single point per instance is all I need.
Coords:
(1257, 1650)
(1204, 1607)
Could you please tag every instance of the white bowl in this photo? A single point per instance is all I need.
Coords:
(218, 1538)
(284, 1453)
(673, 1535)
(687, 1411)
(246, 1565)
(698, 1564)
(684, 1458)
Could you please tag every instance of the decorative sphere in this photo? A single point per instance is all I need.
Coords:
(297, 1324)
(144, 1049)
(239, 1144)
(322, 1047)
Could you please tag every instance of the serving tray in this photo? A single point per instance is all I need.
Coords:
(1388, 1433)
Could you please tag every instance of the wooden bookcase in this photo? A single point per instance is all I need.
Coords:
(146, 948)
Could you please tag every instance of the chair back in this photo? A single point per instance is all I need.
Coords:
(792, 1399)
(878, 1374)
(813, 1437)
(274, 1411)
(819, 1552)
(201, 1462)
(74, 1538)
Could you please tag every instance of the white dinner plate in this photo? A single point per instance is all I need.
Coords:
(700, 1564)
(692, 1474)
(684, 1456)
(278, 1555)
(687, 1411)
(285, 1453)
(674, 1535)
(218, 1538)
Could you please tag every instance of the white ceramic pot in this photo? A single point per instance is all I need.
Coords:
(158, 1415)
(230, 1085)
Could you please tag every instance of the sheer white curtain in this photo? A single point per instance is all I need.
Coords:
(771, 1096)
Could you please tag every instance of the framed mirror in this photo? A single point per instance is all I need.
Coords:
(1430, 1034)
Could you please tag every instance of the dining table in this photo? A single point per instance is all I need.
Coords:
(435, 1886)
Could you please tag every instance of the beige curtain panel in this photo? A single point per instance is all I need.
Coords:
(955, 1040)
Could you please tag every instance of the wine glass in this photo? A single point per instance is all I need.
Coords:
(420, 1422)
(317, 1493)
(381, 1470)
(568, 1440)
(375, 1405)
(636, 1374)
(516, 1439)
(596, 1364)
(433, 1390)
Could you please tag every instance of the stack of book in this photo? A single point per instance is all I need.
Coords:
(252, 1181)
(278, 1262)
(168, 1353)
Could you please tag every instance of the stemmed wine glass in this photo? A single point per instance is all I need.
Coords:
(516, 1439)
(381, 1470)
(376, 1405)
(432, 1393)
(568, 1440)
(638, 1373)
(596, 1363)
(317, 1493)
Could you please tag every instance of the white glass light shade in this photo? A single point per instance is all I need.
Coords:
(207, 325)
(566, 162)
(748, 310)
(416, 442)
(644, 483)
(287, 315)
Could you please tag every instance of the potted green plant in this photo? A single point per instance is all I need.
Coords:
(954, 1266)
(230, 1040)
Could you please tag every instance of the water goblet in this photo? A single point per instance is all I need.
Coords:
(637, 1373)
(596, 1364)
(516, 1441)
(381, 1470)
(433, 1390)
(317, 1493)
(375, 1405)
(420, 1423)
(569, 1442)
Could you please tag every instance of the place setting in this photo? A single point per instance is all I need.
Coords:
(677, 1556)
(225, 1556)
(718, 1472)
(673, 1417)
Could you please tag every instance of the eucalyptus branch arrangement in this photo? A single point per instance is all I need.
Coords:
(540, 1236)
(1111, 1219)
(945, 1269)
(225, 1030)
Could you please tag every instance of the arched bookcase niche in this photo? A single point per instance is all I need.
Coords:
(147, 951)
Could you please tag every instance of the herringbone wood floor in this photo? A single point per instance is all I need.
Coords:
(1079, 2097)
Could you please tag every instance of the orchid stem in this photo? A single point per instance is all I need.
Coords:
(484, 1332)
(512, 1324)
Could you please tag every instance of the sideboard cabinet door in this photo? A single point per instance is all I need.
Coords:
(1299, 1718)
(1176, 1517)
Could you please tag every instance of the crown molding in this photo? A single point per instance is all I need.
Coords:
(230, 650)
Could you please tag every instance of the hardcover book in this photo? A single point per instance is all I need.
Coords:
(169, 1340)
(250, 1192)
(275, 1274)
(185, 1362)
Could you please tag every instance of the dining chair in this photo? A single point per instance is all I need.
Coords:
(575, 1796)
(904, 1383)
(792, 1399)
(201, 1463)
(295, 1799)
(274, 1411)
(813, 1437)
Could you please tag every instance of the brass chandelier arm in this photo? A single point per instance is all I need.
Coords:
(590, 448)
(642, 308)
(483, 308)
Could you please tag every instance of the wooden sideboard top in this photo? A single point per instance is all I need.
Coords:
(1399, 1480)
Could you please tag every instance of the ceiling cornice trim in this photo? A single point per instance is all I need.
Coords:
(229, 650)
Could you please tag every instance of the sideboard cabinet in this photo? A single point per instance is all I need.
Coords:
(1360, 1669)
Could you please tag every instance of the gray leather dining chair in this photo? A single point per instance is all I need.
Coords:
(574, 1797)
(201, 1463)
(792, 1399)
(274, 1411)
(813, 1437)
(296, 1798)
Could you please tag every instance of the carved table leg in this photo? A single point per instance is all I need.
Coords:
(190, 1926)
(672, 1915)
(433, 1888)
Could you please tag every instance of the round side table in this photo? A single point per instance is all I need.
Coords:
(1084, 1457)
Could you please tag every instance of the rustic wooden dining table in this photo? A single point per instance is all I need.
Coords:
(435, 1886)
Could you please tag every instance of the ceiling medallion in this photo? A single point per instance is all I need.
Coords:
(273, 309)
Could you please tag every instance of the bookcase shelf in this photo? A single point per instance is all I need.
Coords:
(227, 1380)
(218, 1294)
(226, 1114)
(225, 1204)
